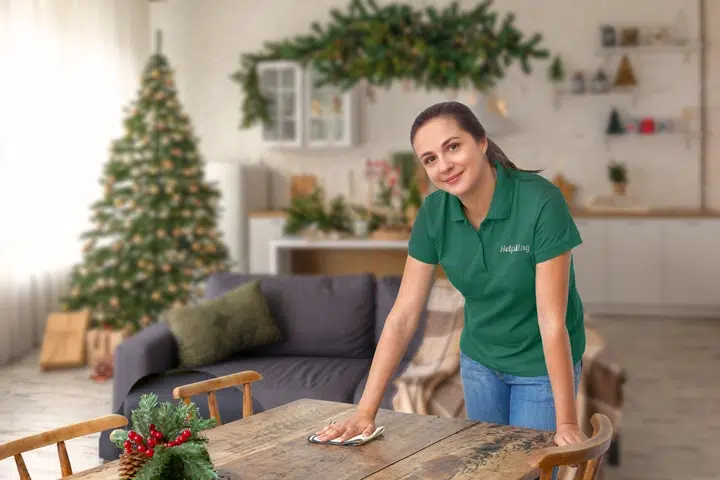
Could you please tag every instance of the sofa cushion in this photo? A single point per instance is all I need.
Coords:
(286, 379)
(323, 316)
(219, 328)
(386, 292)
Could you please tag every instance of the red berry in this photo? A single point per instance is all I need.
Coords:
(152, 426)
(150, 452)
(141, 448)
(131, 434)
(151, 442)
(186, 434)
(128, 449)
(171, 444)
(127, 444)
(156, 435)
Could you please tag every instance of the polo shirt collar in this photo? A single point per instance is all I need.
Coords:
(501, 203)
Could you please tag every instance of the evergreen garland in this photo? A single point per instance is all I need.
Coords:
(432, 48)
(173, 454)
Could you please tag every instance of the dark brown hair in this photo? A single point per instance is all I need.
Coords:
(467, 121)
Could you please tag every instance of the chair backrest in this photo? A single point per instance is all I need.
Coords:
(212, 385)
(585, 455)
(58, 436)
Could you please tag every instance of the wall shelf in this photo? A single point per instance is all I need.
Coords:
(686, 49)
(687, 136)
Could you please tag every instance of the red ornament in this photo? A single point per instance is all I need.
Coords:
(150, 452)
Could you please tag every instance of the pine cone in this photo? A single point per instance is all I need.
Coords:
(130, 464)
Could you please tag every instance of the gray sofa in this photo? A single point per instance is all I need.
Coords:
(330, 326)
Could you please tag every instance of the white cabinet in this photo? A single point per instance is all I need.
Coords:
(303, 115)
(691, 263)
(330, 115)
(634, 261)
(263, 229)
(589, 261)
(281, 82)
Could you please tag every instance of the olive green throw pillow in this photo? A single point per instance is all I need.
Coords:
(216, 329)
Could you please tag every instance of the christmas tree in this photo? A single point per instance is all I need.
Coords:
(155, 236)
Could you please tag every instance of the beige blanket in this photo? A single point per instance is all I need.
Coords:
(431, 384)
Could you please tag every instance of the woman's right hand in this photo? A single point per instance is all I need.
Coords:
(361, 422)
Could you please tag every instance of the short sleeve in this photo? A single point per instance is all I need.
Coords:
(421, 245)
(555, 230)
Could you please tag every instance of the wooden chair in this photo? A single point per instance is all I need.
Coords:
(58, 436)
(586, 455)
(212, 385)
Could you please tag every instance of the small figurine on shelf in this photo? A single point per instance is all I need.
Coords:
(556, 72)
(625, 77)
(600, 82)
(578, 85)
(618, 175)
(615, 125)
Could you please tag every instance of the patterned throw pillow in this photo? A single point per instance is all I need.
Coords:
(216, 329)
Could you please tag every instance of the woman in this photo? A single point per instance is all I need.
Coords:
(504, 237)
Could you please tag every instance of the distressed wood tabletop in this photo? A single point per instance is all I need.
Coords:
(273, 444)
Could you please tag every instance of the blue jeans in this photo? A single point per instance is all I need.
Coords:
(494, 397)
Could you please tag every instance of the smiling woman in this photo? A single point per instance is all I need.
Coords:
(504, 238)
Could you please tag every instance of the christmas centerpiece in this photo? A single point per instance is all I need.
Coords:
(165, 442)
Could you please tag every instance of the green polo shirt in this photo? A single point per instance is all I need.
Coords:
(494, 267)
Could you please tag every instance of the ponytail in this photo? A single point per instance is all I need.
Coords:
(495, 154)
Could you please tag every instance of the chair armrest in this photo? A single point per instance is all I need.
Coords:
(152, 350)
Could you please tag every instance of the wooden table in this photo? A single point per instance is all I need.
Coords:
(273, 444)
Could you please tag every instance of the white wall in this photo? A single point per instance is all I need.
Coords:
(205, 39)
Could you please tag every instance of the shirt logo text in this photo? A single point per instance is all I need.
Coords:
(515, 248)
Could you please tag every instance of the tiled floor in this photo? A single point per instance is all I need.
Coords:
(671, 427)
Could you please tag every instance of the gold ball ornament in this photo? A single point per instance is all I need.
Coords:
(176, 232)
(114, 302)
(160, 233)
(166, 267)
(145, 320)
(155, 73)
(154, 189)
(137, 239)
(167, 164)
(172, 288)
(156, 295)
(194, 188)
(127, 284)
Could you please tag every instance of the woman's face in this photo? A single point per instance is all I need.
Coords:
(451, 156)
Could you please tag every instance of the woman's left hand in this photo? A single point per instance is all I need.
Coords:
(569, 434)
